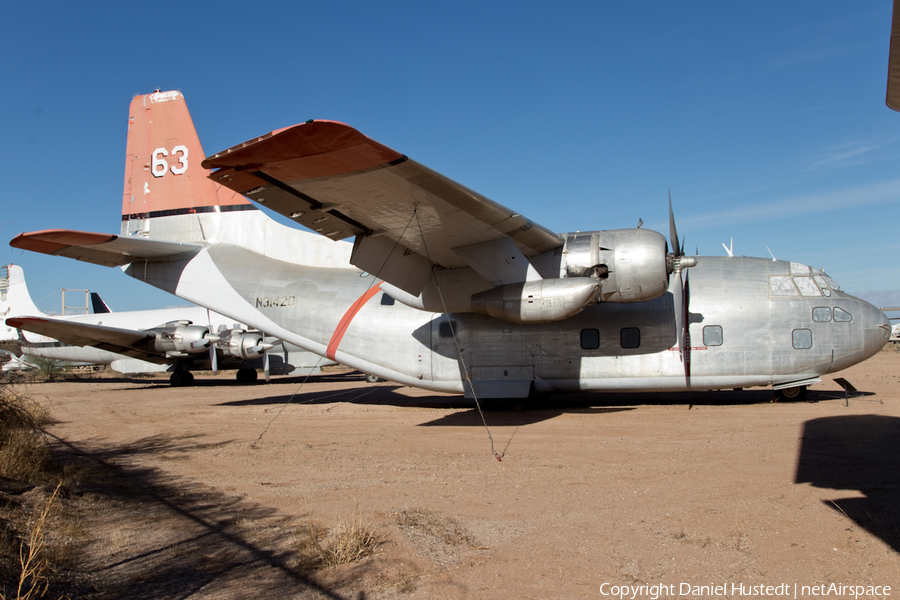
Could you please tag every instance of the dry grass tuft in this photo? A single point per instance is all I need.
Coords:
(28, 557)
(349, 542)
(33, 562)
(24, 451)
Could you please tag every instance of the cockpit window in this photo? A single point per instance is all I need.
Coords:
(807, 286)
(821, 314)
(803, 281)
(841, 315)
(824, 280)
(799, 269)
(782, 285)
(821, 281)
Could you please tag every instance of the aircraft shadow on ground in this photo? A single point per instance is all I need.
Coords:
(510, 418)
(224, 379)
(523, 411)
(172, 537)
(859, 452)
(385, 394)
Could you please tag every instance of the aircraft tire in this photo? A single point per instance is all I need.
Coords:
(247, 375)
(372, 378)
(793, 394)
(181, 379)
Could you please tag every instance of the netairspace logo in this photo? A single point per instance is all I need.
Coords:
(731, 590)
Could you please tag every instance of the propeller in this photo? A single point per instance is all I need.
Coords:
(213, 354)
(682, 295)
(213, 359)
(263, 348)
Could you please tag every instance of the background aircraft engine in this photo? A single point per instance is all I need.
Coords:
(181, 339)
(630, 263)
(237, 343)
(541, 301)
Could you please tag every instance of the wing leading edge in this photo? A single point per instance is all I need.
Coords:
(128, 342)
(99, 248)
(405, 216)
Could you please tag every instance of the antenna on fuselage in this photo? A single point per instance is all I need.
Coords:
(729, 249)
(772, 253)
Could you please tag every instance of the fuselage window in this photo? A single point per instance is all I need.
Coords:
(590, 339)
(712, 335)
(841, 315)
(822, 314)
(386, 300)
(631, 337)
(802, 339)
(447, 329)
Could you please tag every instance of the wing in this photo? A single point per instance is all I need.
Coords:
(99, 248)
(129, 342)
(406, 217)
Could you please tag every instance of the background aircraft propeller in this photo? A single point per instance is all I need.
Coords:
(213, 354)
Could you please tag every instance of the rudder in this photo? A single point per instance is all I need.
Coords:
(163, 176)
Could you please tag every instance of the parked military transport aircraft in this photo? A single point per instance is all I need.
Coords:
(177, 340)
(445, 289)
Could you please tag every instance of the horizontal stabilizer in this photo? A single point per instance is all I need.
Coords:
(128, 342)
(99, 248)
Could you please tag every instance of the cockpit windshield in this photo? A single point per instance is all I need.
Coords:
(803, 281)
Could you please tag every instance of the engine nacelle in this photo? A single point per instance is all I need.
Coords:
(630, 263)
(237, 343)
(541, 301)
(181, 338)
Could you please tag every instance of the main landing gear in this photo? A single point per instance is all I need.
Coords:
(181, 378)
(791, 394)
(247, 375)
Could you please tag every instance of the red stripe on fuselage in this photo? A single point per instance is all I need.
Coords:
(342, 327)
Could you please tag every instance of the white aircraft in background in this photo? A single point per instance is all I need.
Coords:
(11, 362)
(147, 341)
(445, 289)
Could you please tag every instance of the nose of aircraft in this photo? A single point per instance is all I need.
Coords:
(879, 332)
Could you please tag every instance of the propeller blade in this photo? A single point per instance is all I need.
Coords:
(687, 328)
(213, 339)
(673, 231)
(199, 343)
(266, 363)
(678, 298)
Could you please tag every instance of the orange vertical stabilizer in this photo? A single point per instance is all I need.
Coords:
(163, 175)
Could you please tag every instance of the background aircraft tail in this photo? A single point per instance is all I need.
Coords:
(15, 301)
(167, 193)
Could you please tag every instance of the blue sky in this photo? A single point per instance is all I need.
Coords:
(767, 120)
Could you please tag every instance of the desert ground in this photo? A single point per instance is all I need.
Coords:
(212, 491)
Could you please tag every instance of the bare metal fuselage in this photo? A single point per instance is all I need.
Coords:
(753, 322)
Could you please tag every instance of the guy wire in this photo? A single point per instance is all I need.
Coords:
(459, 355)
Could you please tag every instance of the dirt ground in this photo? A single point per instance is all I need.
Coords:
(209, 491)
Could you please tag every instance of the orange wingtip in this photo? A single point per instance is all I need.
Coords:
(17, 322)
(51, 241)
(307, 151)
